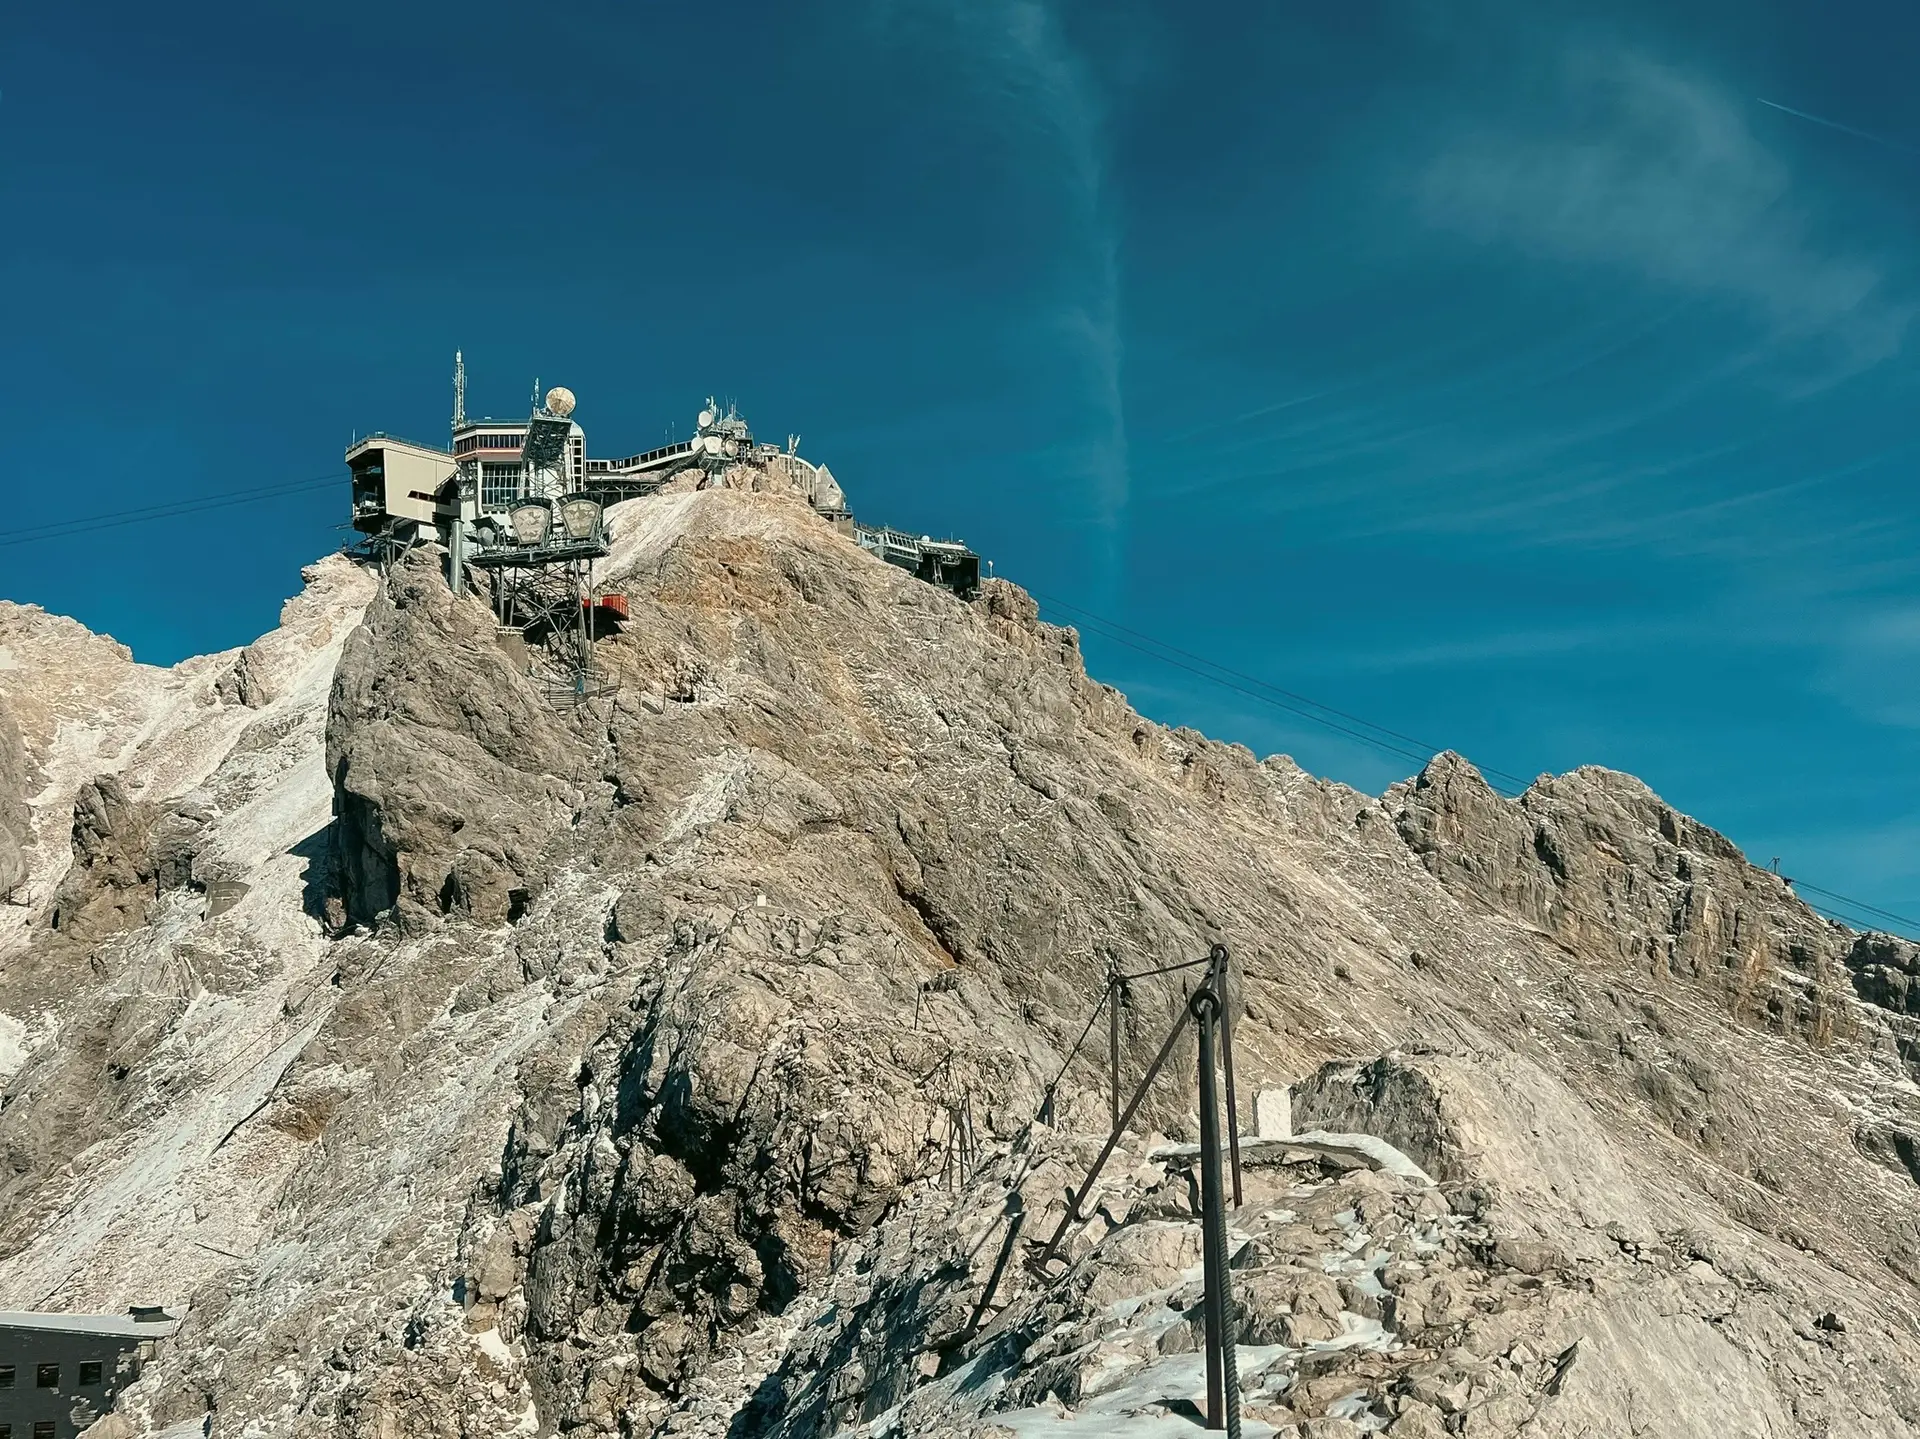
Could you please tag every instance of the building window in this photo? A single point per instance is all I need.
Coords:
(6, 1379)
(43, 1429)
(90, 1372)
(47, 1376)
(499, 486)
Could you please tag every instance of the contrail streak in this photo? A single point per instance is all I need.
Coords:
(1843, 129)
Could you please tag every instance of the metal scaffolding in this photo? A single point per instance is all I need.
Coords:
(541, 569)
(1209, 1010)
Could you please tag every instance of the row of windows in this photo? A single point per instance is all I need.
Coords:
(488, 442)
(506, 442)
(42, 1429)
(47, 1376)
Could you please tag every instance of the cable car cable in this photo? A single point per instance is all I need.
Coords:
(61, 529)
(1426, 749)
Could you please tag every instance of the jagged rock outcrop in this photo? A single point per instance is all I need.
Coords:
(1886, 972)
(1599, 862)
(595, 1070)
(136, 1026)
(126, 854)
(245, 683)
(449, 771)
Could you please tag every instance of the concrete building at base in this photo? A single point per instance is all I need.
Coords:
(60, 1372)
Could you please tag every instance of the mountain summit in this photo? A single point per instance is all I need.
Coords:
(673, 1062)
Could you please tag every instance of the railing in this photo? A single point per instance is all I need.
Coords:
(1209, 1010)
(634, 461)
(395, 439)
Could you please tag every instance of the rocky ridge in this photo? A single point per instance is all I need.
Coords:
(594, 1071)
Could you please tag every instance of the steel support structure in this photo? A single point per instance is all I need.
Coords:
(1222, 1319)
(1073, 1216)
(1210, 1012)
(1222, 970)
(548, 601)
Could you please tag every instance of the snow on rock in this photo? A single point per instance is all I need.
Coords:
(142, 1214)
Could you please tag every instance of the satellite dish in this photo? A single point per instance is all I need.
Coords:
(560, 401)
(706, 418)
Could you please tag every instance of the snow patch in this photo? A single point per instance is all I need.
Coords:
(711, 798)
(13, 1046)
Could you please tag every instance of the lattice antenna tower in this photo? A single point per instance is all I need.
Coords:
(459, 390)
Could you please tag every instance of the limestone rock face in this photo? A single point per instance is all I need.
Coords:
(133, 1029)
(449, 772)
(1596, 860)
(672, 1063)
(245, 683)
(14, 822)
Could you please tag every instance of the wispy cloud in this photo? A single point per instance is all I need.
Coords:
(1836, 125)
(1033, 78)
(1646, 168)
(1503, 646)
(1875, 670)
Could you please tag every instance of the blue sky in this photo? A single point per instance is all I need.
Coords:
(1509, 375)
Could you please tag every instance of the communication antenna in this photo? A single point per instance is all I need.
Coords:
(536, 392)
(459, 390)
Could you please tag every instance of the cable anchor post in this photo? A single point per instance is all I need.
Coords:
(1222, 1319)
(1116, 996)
(1221, 972)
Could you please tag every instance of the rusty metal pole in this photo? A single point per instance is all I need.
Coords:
(1223, 966)
(1223, 1379)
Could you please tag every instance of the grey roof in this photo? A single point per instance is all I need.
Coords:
(118, 1325)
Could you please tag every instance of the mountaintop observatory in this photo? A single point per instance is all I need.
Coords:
(521, 502)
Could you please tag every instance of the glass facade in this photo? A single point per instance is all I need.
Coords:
(499, 486)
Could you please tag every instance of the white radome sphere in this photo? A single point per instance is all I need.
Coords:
(560, 401)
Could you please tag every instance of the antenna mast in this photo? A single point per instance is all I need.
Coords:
(459, 390)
